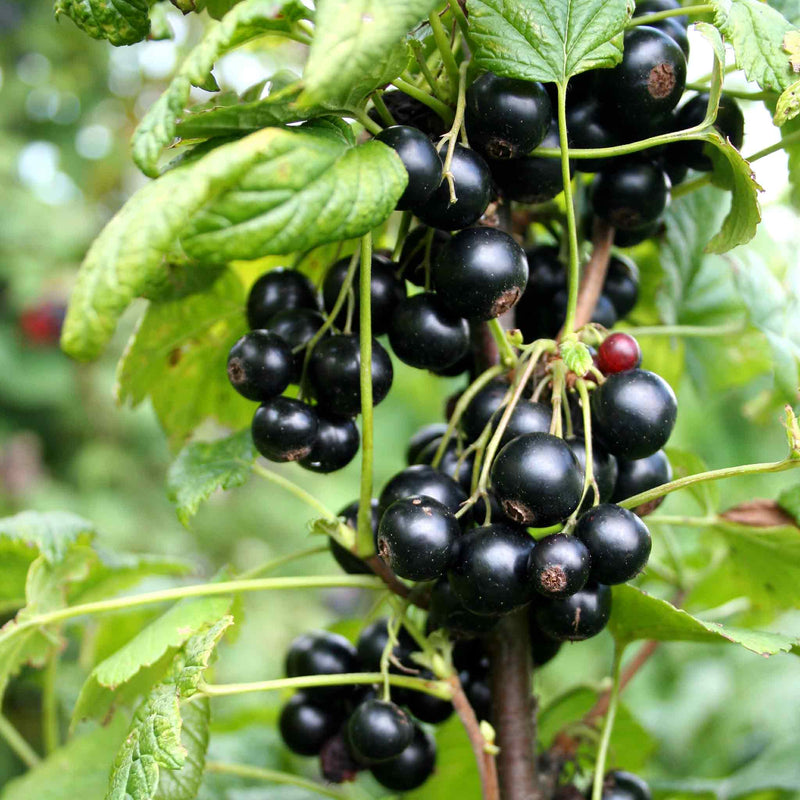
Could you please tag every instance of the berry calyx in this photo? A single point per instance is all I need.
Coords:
(284, 429)
(378, 730)
(260, 365)
(278, 290)
(559, 565)
(420, 159)
(619, 352)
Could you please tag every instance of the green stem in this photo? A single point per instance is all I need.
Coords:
(442, 109)
(687, 330)
(712, 475)
(13, 738)
(443, 43)
(738, 94)
(439, 689)
(367, 122)
(649, 19)
(459, 16)
(50, 727)
(273, 564)
(508, 358)
(426, 70)
(572, 225)
(273, 776)
(588, 476)
(405, 224)
(608, 726)
(383, 111)
(451, 137)
(364, 540)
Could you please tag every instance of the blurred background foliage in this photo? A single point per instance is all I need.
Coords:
(68, 105)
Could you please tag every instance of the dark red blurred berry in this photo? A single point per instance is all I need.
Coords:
(619, 353)
(41, 324)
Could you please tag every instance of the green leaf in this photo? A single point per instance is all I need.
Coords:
(757, 34)
(86, 760)
(177, 357)
(357, 47)
(171, 630)
(788, 106)
(203, 468)
(50, 533)
(638, 615)
(576, 356)
(217, 9)
(542, 40)
(789, 501)
(183, 784)
(120, 21)
(248, 20)
(193, 661)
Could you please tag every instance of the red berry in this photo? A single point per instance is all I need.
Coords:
(619, 353)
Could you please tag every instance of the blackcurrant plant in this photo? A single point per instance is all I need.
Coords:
(450, 183)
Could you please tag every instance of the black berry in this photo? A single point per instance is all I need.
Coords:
(559, 565)
(425, 707)
(378, 730)
(422, 479)
(641, 474)
(305, 727)
(421, 438)
(415, 246)
(543, 648)
(729, 123)
(448, 612)
(278, 290)
(621, 785)
(284, 429)
(588, 129)
(630, 195)
(621, 285)
(580, 616)
(412, 767)
(348, 561)
(260, 365)
(481, 408)
(297, 326)
(322, 653)
(335, 446)
(373, 640)
(527, 417)
(449, 463)
(644, 7)
(604, 468)
(419, 157)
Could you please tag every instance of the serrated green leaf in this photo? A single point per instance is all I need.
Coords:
(184, 783)
(248, 20)
(638, 615)
(121, 22)
(357, 47)
(217, 9)
(177, 357)
(193, 661)
(541, 40)
(788, 106)
(202, 468)
(51, 533)
(576, 356)
(757, 34)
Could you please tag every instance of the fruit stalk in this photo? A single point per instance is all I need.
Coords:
(594, 273)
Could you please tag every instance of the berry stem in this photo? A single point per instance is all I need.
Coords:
(443, 44)
(50, 727)
(657, 16)
(426, 70)
(17, 744)
(368, 123)
(573, 274)
(364, 539)
(588, 476)
(383, 111)
(402, 232)
(442, 109)
(508, 358)
(459, 16)
(451, 137)
(273, 776)
(608, 725)
(441, 689)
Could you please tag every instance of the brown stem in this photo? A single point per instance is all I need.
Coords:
(380, 568)
(513, 707)
(487, 767)
(594, 274)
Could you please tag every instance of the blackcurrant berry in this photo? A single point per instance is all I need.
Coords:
(506, 117)
(537, 479)
(379, 730)
(335, 446)
(621, 285)
(297, 326)
(471, 655)
(260, 365)
(618, 541)
(623, 785)
(547, 274)
(278, 290)
(527, 417)
(489, 569)
(419, 157)
(620, 352)
(305, 727)
(322, 653)
(587, 129)
(406, 110)
(559, 565)
(421, 438)
(644, 7)
(675, 31)
(416, 536)
(580, 616)
(284, 429)
(412, 256)
(543, 648)
(604, 468)
(373, 640)
(425, 481)
(425, 707)
(641, 475)
(449, 463)
(473, 187)
(631, 238)
(334, 373)
(479, 695)
(634, 413)
(348, 561)
(427, 335)
(480, 273)
(481, 408)
(448, 612)
(411, 768)
(603, 314)
(386, 291)
(336, 761)
(630, 195)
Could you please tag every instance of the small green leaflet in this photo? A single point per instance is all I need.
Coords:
(547, 40)
(184, 783)
(638, 615)
(788, 106)
(202, 468)
(354, 39)
(120, 21)
(576, 356)
(757, 34)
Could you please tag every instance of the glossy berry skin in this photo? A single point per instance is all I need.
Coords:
(603, 314)
(373, 640)
(489, 570)
(473, 185)
(425, 481)
(412, 256)
(531, 179)
(527, 417)
(634, 413)
(729, 123)
(604, 467)
(634, 236)
(625, 786)
(479, 695)
(620, 352)
(305, 727)
(621, 285)
(348, 561)
(335, 447)
(480, 273)
(537, 479)
(631, 195)
(284, 429)
(426, 335)
(419, 157)
(618, 541)
(278, 290)
(260, 365)
(297, 326)
(448, 612)
(648, 82)
(411, 768)
(416, 537)
(641, 474)
(588, 129)
(506, 117)
(322, 653)
(559, 565)
(578, 617)
(543, 648)
(425, 707)
(386, 291)
(481, 408)
(449, 462)
(675, 31)
(423, 437)
(333, 371)
(378, 730)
